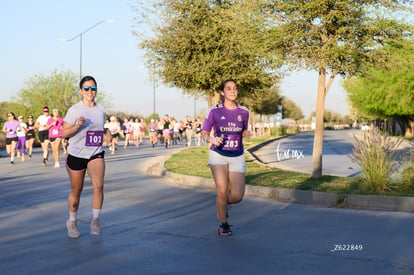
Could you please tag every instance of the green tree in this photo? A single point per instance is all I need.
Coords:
(6, 107)
(58, 90)
(387, 91)
(265, 102)
(334, 38)
(195, 45)
(291, 109)
(331, 116)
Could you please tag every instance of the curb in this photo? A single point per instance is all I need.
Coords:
(367, 202)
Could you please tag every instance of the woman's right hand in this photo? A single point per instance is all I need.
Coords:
(81, 121)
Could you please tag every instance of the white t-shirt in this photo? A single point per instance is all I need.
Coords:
(88, 140)
(114, 127)
(20, 130)
(42, 120)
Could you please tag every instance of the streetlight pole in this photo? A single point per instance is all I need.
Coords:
(153, 82)
(195, 107)
(80, 35)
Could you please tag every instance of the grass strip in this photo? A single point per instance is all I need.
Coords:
(193, 161)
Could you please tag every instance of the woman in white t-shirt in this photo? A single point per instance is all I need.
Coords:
(137, 131)
(115, 128)
(84, 126)
(43, 128)
(21, 137)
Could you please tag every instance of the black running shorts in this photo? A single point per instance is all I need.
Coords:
(79, 164)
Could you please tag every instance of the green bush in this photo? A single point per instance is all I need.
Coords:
(374, 154)
(283, 130)
(407, 174)
(278, 131)
(2, 140)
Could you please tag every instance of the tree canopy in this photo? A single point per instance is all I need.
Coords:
(386, 91)
(291, 109)
(59, 90)
(198, 44)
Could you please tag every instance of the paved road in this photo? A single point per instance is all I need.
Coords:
(151, 227)
(294, 153)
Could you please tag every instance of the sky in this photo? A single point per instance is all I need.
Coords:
(29, 46)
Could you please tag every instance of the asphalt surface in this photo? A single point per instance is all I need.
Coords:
(152, 226)
(294, 153)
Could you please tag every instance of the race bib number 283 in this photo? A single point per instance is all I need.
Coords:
(94, 138)
(231, 143)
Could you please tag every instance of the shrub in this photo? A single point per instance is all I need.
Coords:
(374, 154)
(278, 131)
(2, 140)
(407, 174)
(284, 130)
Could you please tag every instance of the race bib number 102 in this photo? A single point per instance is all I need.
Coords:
(94, 138)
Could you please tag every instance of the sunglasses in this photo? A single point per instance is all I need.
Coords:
(93, 88)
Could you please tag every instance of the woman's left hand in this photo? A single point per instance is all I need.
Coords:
(246, 134)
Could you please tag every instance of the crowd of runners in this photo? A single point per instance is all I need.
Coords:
(126, 132)
(165, 131)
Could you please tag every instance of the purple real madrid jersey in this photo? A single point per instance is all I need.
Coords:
(228, 124)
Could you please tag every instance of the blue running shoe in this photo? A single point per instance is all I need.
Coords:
(224, 229)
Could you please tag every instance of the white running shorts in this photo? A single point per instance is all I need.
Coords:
(236, 164)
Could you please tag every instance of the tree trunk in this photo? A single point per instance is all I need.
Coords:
(410, 127)
(253, 123)
(320, 110)
(213, 99)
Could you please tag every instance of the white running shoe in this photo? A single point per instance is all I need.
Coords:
(72, 229)
(95, 227)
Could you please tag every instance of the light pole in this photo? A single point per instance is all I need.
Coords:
(153, 83)
(80, 41)
(195, 107)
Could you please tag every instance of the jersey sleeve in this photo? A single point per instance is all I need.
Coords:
(246, 122)
(71, 116)
(208, 121)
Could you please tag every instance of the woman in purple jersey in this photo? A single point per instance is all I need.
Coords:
(10, 128)
(229, 122)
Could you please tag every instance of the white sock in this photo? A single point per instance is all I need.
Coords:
(72, 216)
(96, 213)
